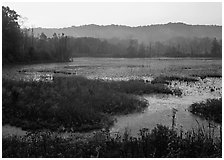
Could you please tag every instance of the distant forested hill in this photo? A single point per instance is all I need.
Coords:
(145, 34)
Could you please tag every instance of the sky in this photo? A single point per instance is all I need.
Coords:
(67, 14)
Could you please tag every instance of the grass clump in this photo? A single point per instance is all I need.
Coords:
(160, 142)
(208, 75)
(167, 79)
(210, 109)
(138, 87)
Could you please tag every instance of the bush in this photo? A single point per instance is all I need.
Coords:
(211, 109)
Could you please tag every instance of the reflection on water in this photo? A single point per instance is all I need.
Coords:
(160, 108)
(36, 76)
(10, 130)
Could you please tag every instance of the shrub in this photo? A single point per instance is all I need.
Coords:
(210, 109)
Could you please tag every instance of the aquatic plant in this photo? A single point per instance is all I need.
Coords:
(167, 79)
(211, 109)
(208, 75)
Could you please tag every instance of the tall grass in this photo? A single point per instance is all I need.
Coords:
(208, 75)
(167, 79)
(160, 142)
(138, 87)
(210, 109)
(74, 103)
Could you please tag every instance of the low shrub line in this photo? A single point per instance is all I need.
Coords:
(160, 142)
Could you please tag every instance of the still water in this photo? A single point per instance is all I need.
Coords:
(160, 108)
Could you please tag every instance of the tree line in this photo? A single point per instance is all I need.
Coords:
(20, 45)
(94, 47)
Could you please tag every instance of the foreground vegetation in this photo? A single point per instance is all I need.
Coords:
(160, 142)
(211, 109)
(72, 103)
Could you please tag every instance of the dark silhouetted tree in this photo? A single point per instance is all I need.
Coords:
(11, 36)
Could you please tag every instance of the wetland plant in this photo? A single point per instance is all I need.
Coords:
(210, 109)
(167, 79)
(208, 75)
(75, 103)
(160, 142)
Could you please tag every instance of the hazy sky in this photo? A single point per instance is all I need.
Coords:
(66, 14)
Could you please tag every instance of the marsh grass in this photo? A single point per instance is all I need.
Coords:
(210, 109)
(167, 79)
(138, 87)
(160, 142)
(207, 75)
(73, 103)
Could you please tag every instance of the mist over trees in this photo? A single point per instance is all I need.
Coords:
(145, 34)
(22, 45)
(216, 49)
(176, 47)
